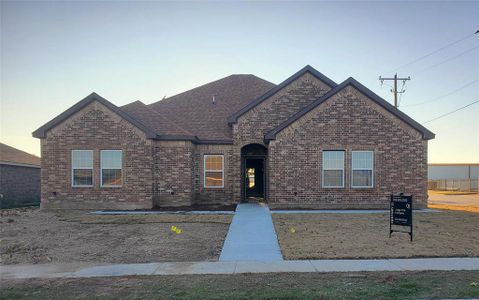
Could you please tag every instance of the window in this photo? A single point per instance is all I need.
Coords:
(333, 169)
(111, 165)
(362, 174)
(82, 168)
(213, 171)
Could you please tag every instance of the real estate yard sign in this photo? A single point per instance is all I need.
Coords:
(400, 213)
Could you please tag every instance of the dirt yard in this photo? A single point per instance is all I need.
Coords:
(320, 236)
(454, 201)
(32, 236)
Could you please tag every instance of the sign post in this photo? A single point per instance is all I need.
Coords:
(400, 213)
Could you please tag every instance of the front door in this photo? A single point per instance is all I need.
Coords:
(254, 177)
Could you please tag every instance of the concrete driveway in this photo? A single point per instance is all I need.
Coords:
(462, 200)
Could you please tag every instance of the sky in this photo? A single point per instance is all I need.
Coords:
(53, 54)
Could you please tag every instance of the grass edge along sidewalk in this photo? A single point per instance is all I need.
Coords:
(357, 285)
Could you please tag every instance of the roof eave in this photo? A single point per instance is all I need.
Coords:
(41, 132)
(426, 134)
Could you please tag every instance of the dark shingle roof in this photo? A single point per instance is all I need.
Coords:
(203, 114)
(195, 111)
(427, 135)
(12, 155)
(154, 119)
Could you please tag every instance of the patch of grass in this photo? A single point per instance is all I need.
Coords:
(358, 286)
(324, 236)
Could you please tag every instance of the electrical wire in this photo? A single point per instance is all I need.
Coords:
(447, 60)
(445, 95)
(433, 52)
(451, 112)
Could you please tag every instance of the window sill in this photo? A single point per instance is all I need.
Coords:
(362, 187)
(111, 186)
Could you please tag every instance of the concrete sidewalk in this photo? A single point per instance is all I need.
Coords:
(251, 236)
(235, 267)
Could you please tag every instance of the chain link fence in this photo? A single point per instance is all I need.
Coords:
(455, 185)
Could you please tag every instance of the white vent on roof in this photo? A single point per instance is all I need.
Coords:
(213, 100)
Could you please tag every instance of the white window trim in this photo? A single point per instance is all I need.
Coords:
(101, 169)
(372, 171)
(222, 172)
(72, 169)
(322, 168)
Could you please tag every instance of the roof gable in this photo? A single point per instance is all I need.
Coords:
(426, 134)
(234, 117)
(41, 132)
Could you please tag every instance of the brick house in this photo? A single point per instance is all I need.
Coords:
(307, 142)
(19, 178)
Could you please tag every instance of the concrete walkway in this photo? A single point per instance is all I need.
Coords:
(347, 212)
(251, 236)
(235, 267)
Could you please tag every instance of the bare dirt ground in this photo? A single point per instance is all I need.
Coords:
(33, 236)
(321, 236)
(454, 201)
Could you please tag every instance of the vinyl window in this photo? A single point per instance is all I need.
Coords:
(213, 171)
(111, 162)
(82, 168)
(362, 169)
(333, 169)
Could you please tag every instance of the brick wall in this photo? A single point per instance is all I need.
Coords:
(253, 125)
(347, 121)
(95, 128)
(19, 186)
(170, 173)
(215, 195)
(173, 173)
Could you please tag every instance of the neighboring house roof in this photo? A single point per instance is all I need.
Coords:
(41, 132)
(234, 117)
(13, 156)
(427, 135)
(196, 112)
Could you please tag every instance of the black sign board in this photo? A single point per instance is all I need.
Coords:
(400, 213)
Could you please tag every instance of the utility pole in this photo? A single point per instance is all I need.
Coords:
(394, 90)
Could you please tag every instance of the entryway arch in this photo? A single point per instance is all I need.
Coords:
(254, 172)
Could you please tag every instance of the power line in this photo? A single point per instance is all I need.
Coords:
(445, 95)
(451, 112)
(447, 60)
(433, 52)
